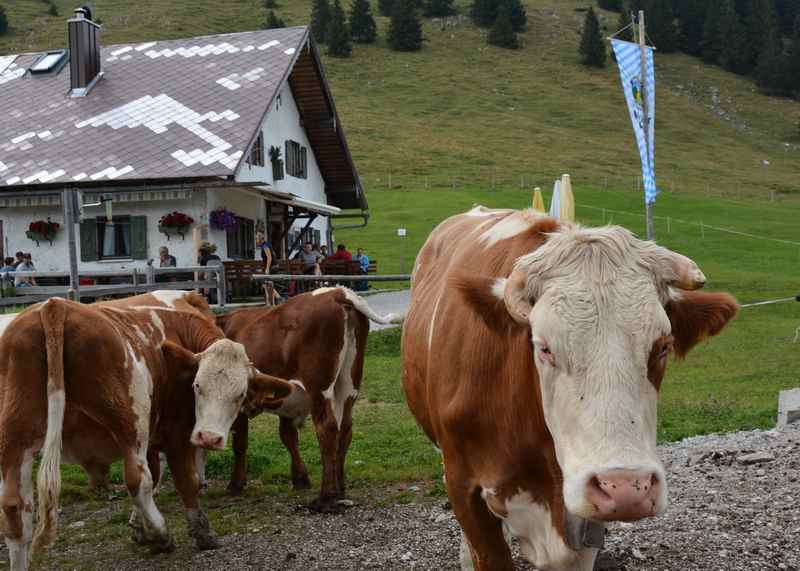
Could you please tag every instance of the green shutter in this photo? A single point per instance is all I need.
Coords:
(89, 240)
(139, 237)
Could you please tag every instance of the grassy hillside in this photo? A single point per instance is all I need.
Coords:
(463, 112)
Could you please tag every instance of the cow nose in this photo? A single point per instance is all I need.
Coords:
(210, 440)
(624, 495)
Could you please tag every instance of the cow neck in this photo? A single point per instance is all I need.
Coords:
(195, 333)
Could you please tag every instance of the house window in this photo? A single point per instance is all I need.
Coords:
(256, 156)
(241, 241)
(296, 160)
(123, 239)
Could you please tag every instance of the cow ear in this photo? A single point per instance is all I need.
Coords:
(265, 392)
(695, 315)
(484, 296)
(181, 363)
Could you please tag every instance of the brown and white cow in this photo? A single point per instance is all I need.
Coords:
(533, 354)
(318, 338)
(105, 383)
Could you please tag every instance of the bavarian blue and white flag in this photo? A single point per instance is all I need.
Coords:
(630, 72)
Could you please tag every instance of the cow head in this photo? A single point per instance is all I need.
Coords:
(605, 309)
(222, 377)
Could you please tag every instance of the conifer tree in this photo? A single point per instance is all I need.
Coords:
(270, 4)
(711, 47)
(385, 7)
(519, 18)
(439, 8)
(732, 39)
(320, 19)
(3, 21)
(772, 66)
(338, 34)
(362, 24)
(502, 33)
(405, 27)
(761, 22)
(625, 23)
(593, 47)
(274, 21)
(610, 5)
(660, 22)
(483, 12)
(691, 18)
(793, 61)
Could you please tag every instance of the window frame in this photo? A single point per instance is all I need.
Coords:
(125, 220)
(256, 155)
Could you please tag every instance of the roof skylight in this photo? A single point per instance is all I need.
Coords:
(49, 62)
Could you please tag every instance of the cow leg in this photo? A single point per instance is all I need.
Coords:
(200, 466)
(98, 476)
(327, 431)
(16, 495)
(181, 458)
(482, 532)
(239, 475)
(290, 439)
(147, 522)
(345, 438)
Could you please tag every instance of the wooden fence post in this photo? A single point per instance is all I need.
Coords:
(135, 280)
(150, 275)
(221, 286)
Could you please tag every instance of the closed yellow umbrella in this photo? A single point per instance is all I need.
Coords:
(538, 201)
(567, 210)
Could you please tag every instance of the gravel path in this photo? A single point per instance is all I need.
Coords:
(723, 515)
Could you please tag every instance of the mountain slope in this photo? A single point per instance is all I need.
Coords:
(461, 112)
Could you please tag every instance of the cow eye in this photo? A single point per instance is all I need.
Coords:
(665, 350)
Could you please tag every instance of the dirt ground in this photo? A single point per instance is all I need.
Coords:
(724, 514)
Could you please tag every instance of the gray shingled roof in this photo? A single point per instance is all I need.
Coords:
(173, 109)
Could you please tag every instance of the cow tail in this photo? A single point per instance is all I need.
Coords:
(362, 306)
(53, 314)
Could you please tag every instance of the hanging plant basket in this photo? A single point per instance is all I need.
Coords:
(43, 230)
(223, 219)
(175, 223)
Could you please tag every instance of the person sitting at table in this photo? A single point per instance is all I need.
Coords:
(25, 266)
(310, 259)
(363, 266)
(324, 250)
(342, 254)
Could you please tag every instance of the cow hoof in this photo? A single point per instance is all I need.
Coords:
(207, 541)
(301, 482)
(326, 506)
(162, 545)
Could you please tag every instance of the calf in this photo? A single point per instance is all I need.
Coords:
(100, 383)
(533, 355)
(318, 338)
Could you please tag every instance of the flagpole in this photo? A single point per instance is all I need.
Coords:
(646, 117)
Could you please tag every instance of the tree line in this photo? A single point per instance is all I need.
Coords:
(758, 38)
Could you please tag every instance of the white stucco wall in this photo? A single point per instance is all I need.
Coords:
(282, 123)
(56, 257)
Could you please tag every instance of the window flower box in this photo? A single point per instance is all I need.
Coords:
(175, 223)
(41, 230)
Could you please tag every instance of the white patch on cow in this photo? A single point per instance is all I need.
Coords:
(162, 471)
(508, 227)
(479, 210)
(433, 321)
(19, 550)
(200, 466)
(361, 305)
(153, 521)
(321, 290)
(5, 321)
(296, 406)
(168, 296)
(141, 392)
(140, 334)
(342, 388)
(464, 554)
(531, 523)
(499, 288)
(158, 324)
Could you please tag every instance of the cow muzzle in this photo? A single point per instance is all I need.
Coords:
(624, 495)
(209, 440)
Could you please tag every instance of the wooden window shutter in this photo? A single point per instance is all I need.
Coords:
(139, 237)
(89, 240)
(303, 161)
(288, 154)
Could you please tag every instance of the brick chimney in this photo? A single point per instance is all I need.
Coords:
(84, 52)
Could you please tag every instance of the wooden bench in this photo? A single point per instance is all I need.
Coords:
(239, 275)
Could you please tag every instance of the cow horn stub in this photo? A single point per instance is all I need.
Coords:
(515, 297)
(688, 275)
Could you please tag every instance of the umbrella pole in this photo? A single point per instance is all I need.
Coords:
(646, 112)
